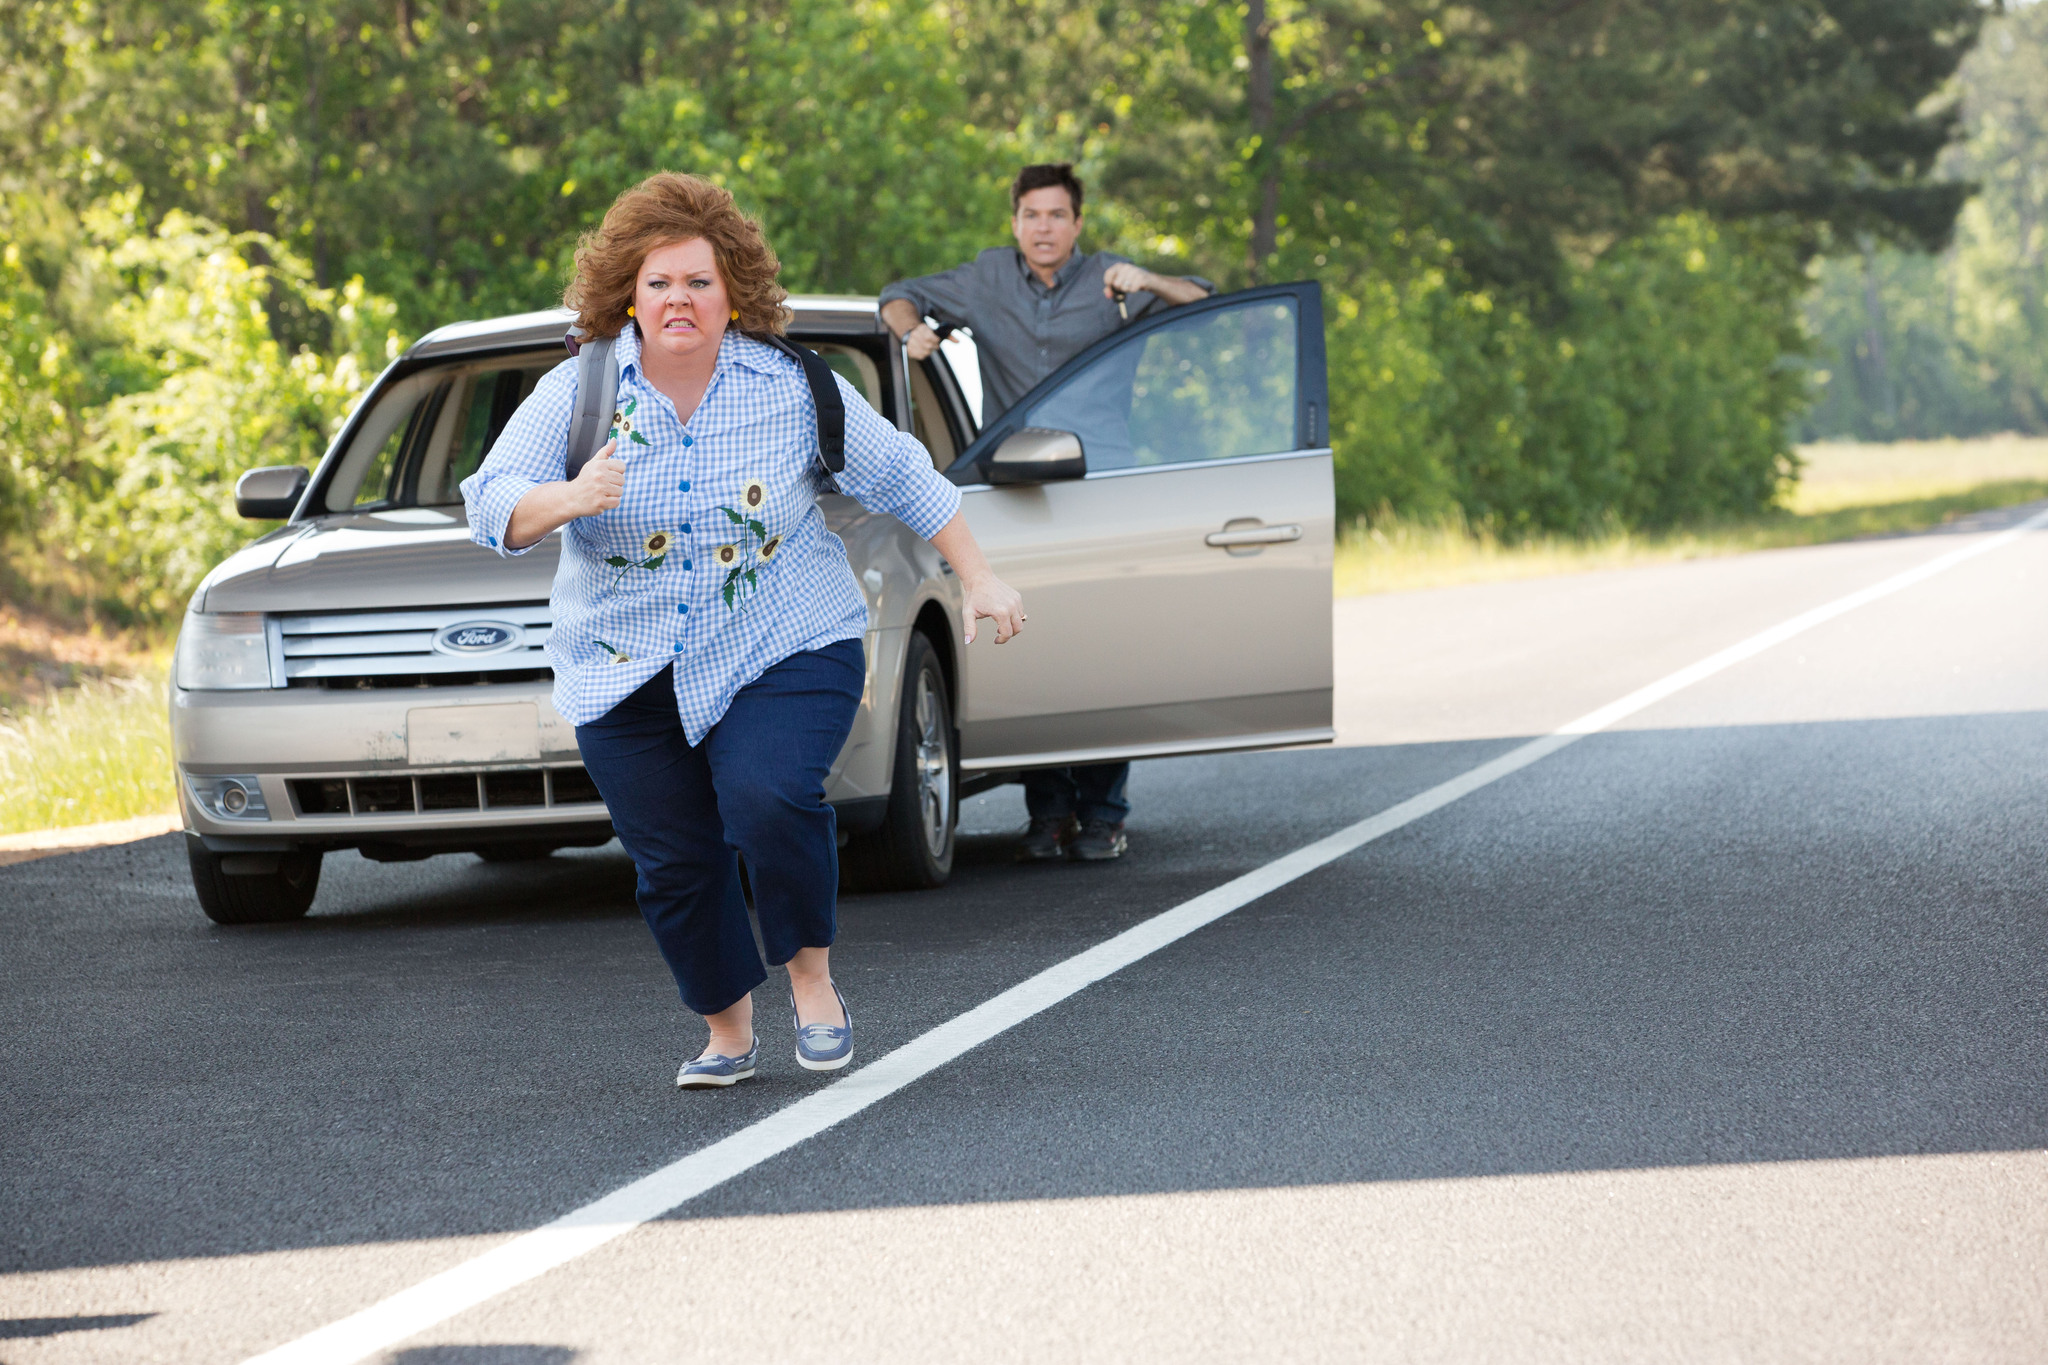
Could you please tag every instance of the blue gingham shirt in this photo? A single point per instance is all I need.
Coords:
(717, 559)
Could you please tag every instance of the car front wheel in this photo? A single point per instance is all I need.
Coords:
(913, 848)
(252, 888)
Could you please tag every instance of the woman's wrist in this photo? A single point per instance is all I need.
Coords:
(538, 515)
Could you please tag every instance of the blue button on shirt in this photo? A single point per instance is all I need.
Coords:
(717, 559)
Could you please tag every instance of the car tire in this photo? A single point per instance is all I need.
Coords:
(258, 897)
(516, 853)
(912, 850)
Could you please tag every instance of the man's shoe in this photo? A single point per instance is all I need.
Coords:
(1098, 842)
(1046, 840)
(717, 1069)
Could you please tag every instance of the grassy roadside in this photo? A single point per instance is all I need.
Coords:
(84, 733)
(1847, 490)
(98, 751)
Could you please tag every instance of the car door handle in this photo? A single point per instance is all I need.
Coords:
(1252, 535)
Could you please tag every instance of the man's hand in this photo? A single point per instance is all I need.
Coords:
(598, 486)
(1125, 278)
(989, 596)
(1172, 290)
(905, 321)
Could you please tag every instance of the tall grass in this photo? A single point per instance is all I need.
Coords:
(100, 751)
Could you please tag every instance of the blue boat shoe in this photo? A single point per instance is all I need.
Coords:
(717, 1069)
(823, 1047)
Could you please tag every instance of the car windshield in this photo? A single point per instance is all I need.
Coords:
(429, 432)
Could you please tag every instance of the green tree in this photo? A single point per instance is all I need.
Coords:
(132, 495)
(1916, 345)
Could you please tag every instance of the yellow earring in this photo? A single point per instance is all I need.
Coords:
(629, 310)
(735, 315)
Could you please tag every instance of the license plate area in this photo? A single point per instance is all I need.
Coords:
(508, 732)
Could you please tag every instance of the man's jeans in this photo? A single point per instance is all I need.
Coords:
(1089, 791)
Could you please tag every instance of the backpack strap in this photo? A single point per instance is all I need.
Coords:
(825, 395)
(597, 397)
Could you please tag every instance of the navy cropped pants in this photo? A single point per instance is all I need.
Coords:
(755, 788)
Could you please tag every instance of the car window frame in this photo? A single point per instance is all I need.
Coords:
(1311, 381)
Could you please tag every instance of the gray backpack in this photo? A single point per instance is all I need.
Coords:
(597, 396)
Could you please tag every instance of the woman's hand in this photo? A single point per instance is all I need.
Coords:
(982, 594)
(597, 488)
(990, 597)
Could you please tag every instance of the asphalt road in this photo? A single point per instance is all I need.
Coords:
(1718, 1036)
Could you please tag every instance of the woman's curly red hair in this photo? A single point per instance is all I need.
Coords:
(661, 210)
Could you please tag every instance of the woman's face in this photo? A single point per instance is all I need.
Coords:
(680, 300)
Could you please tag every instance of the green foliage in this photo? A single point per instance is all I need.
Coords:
(132, 493)
(1557, 239)
(1658, 396)
(1912, 345)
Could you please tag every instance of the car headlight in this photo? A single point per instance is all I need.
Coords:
(223, 650)
(239, 797)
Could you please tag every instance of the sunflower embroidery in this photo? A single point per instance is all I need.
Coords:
(741, 562)
(622, 424)
(653, 551)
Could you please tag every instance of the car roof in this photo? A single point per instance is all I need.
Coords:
(844, 314)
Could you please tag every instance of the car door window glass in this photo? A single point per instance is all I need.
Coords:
(928, 416)
(1211, 385)
(855, 366)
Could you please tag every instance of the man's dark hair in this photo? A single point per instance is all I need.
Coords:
(1060, 173)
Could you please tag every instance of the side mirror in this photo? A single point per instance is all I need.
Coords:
(270, 494)
(1035, 455)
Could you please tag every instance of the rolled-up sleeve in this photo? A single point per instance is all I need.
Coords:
(531, 451)
(949, 296)
(1144, 302)
(888, 471)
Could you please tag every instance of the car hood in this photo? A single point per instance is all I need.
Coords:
(408, 557)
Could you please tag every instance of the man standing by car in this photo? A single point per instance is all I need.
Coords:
(1032, 308)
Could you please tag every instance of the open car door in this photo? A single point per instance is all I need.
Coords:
(1164, 502)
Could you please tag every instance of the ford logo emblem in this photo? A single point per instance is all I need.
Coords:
(477, 637)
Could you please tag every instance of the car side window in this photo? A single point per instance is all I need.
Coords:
(1211, 385)
(855, 366)
(928, 420)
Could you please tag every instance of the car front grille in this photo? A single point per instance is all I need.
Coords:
(496, 789)
(444, 647)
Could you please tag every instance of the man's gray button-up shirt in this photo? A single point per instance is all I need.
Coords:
(1023, 331)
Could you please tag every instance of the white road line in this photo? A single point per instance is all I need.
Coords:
(532, 1254)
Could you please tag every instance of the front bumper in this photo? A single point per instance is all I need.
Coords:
(315, 751)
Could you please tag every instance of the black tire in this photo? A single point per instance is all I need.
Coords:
(913, 848)
(516, 853)
(253, 888)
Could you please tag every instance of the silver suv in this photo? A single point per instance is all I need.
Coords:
(364, 677)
